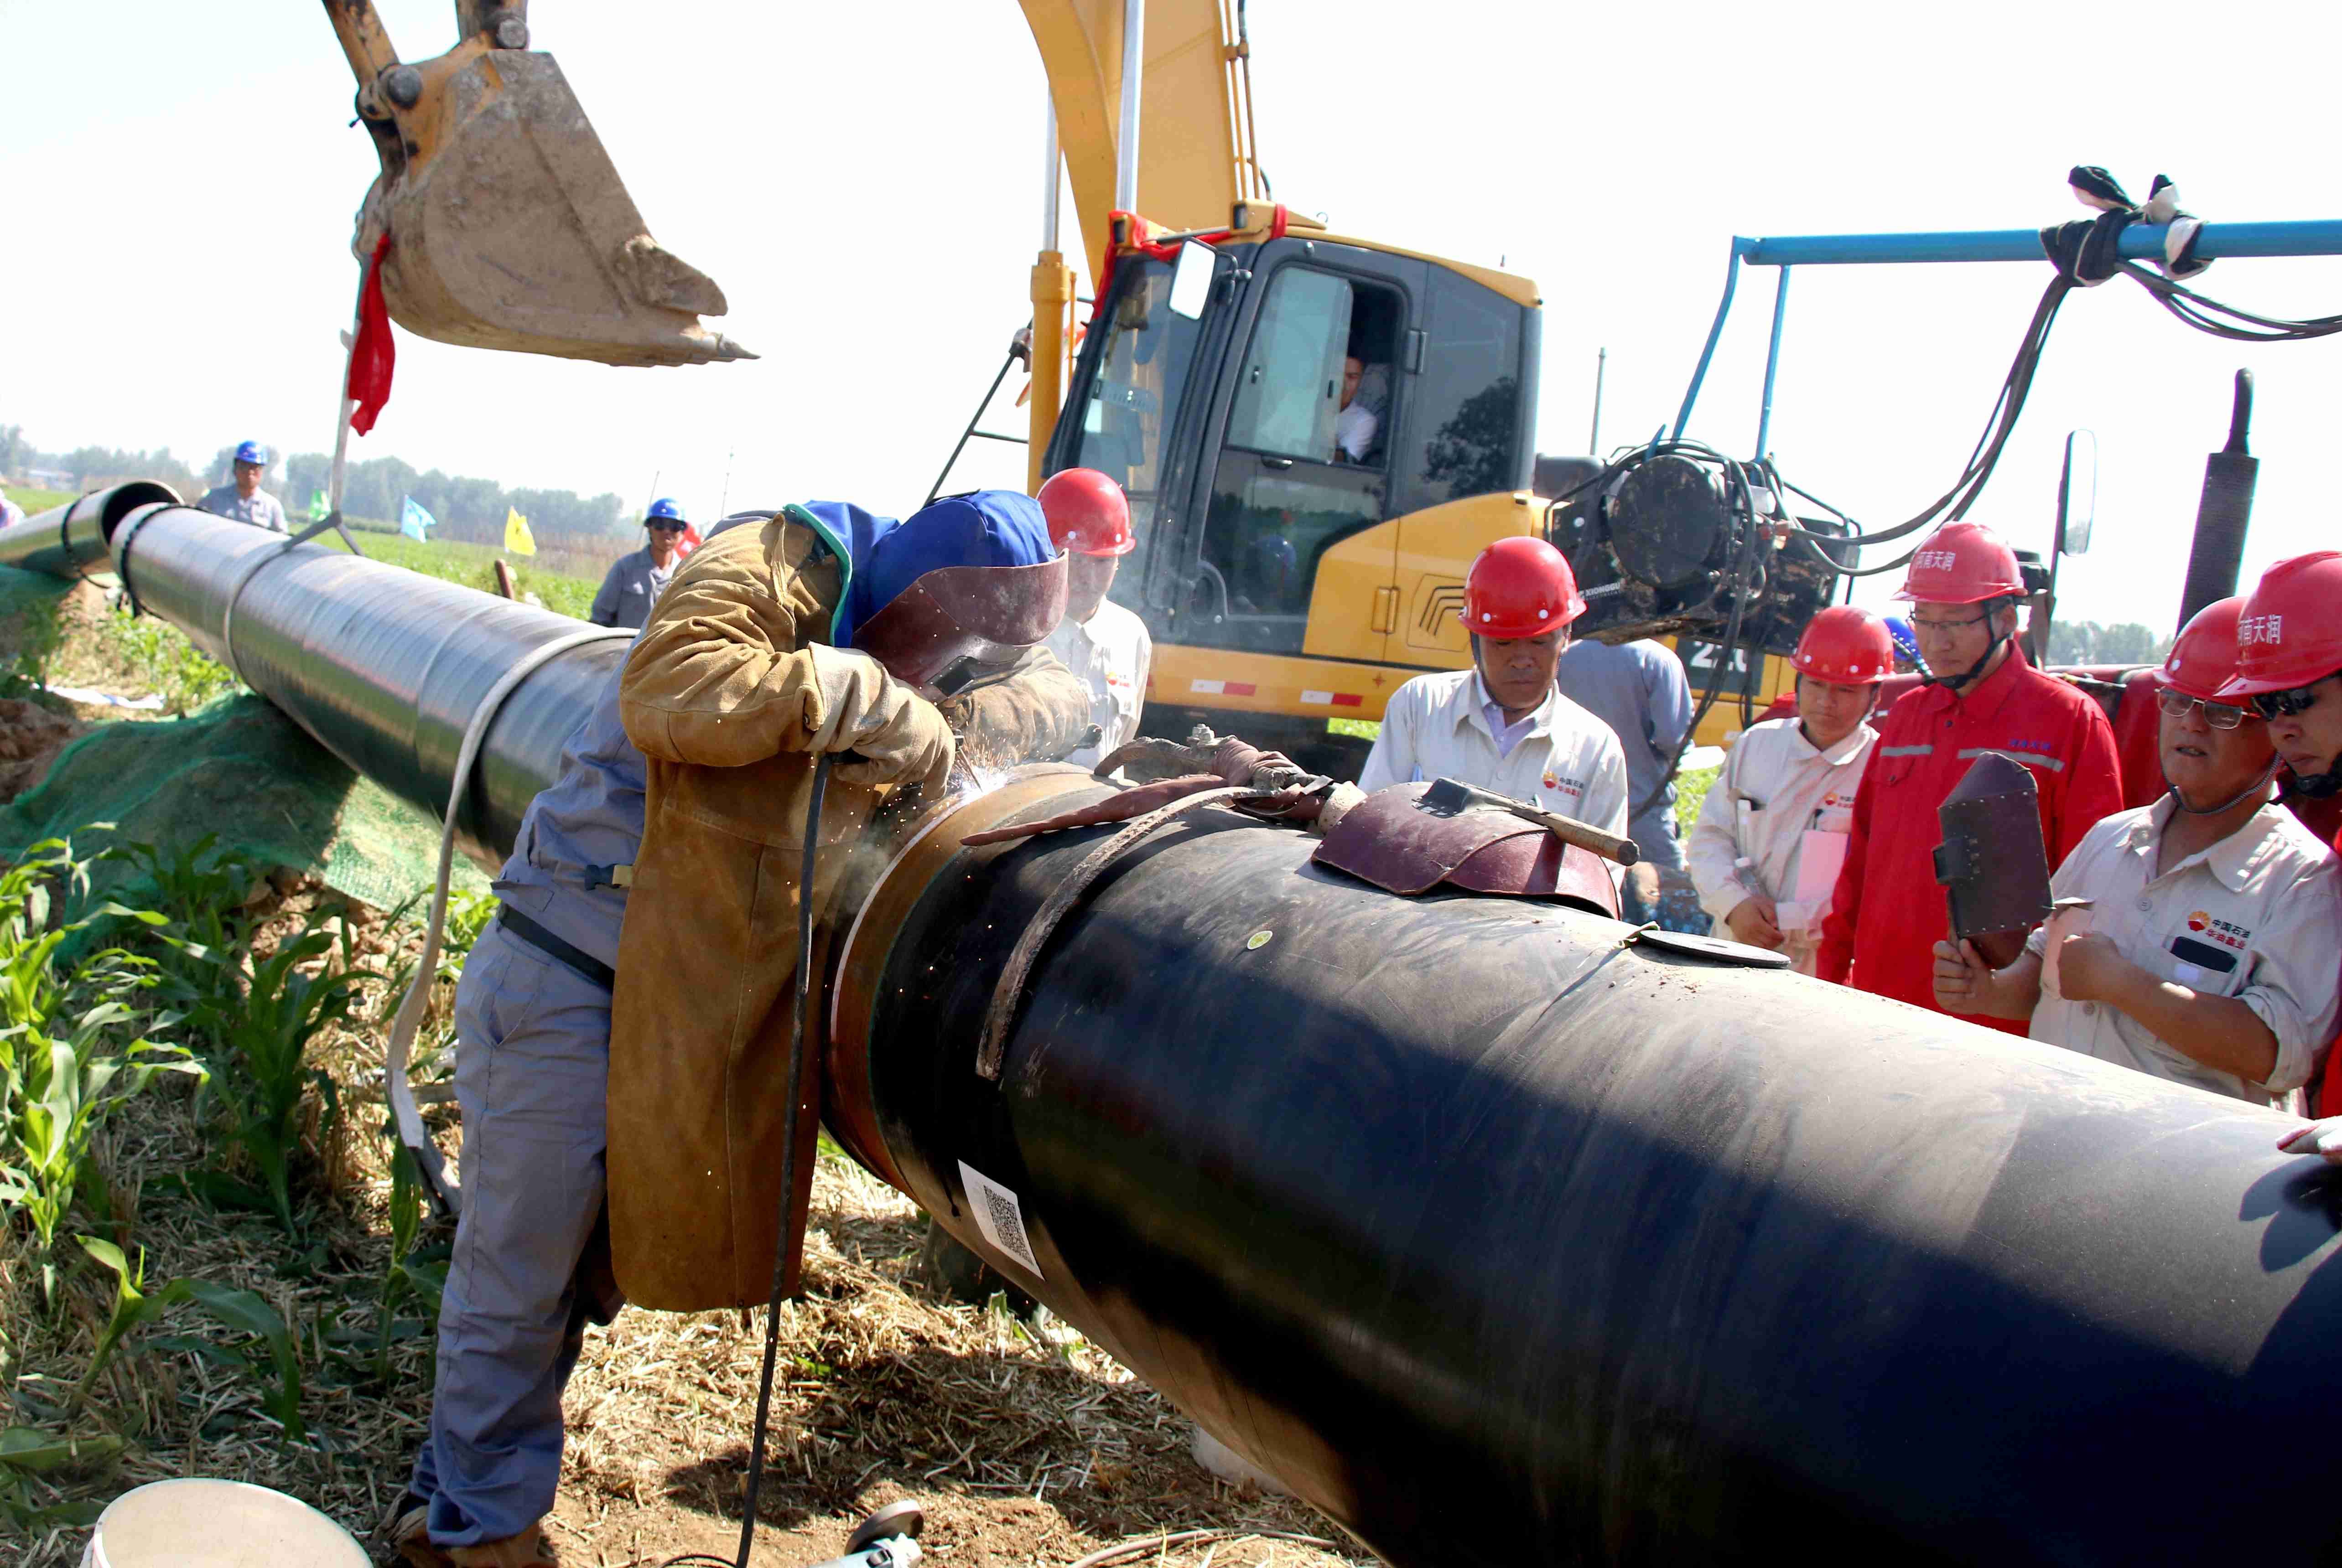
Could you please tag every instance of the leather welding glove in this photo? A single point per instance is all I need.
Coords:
(898, 736)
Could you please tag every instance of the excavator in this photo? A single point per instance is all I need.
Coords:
(1286, 579)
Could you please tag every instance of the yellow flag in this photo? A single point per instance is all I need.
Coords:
(517, 538)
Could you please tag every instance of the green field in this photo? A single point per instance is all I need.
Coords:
(34, 500)
(473, 565)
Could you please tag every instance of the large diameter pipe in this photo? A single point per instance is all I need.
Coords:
(1494, 1238)
(383, 667)
(71, 540)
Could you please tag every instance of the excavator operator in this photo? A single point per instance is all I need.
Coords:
(629, 1008)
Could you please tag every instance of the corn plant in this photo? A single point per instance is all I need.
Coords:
(61, 1072)
(410, 1276)
(259, 1029)
(27, 1451)
(201, 891)
(239, 1311)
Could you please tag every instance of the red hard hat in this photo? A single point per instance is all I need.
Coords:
(1519, 587)
(1962, 563)
(2203, 657)
(2290, 627)
(1846, 646)
(1088, 513)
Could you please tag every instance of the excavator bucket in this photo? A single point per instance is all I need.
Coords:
(509, 227)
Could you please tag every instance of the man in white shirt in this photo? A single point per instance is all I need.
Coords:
(1104, 645)
(1355, 426)
(1771, 835)
(1502, 724)
(2206, 952)
(243, 499)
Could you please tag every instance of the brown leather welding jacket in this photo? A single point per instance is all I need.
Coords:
(720, 697)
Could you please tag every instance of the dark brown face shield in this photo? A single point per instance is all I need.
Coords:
(957, 617)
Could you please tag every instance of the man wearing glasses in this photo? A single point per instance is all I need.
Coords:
(2289, 666)
(635, 581)
(2213, 915)
(1980, 696)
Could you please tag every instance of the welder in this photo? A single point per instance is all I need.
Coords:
(2213, 915)
(2289, 667)
(1772, 831)
(640, 965)
(1979, 696)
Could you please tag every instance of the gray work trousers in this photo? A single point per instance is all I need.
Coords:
(531, 1070)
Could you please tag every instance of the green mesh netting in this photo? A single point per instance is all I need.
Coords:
(243, 770)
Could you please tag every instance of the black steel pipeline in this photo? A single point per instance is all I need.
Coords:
(72, 540)
(1494, 1238)
(383, 666)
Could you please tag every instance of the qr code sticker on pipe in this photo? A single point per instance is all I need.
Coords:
(999, 1215)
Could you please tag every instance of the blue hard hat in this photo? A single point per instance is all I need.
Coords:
(669, 507)
(253, 452)
(1907, 640)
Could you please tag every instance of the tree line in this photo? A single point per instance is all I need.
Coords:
(2089, 643)
(467, 507)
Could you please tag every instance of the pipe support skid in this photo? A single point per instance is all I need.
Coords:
(1490, 1235)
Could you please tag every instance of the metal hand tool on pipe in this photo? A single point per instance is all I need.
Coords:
(1453, 795)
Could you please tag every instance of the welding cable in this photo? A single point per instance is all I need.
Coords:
(796, 1093)
(396, 1092)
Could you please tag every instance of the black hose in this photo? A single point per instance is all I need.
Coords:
(788, 1156)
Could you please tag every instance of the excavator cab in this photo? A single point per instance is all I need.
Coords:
(1294, 416)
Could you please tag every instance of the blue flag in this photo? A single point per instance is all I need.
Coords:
(413, 519)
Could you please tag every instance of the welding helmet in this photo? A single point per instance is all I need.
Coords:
(970, 581)
(2203, 657)
(1088, 513)
(1962, 563)
(667, 509)
(252, 452)
(2290, 627)
(1846, 646)
(1519, 587)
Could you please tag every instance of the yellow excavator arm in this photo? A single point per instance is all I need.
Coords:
(1196, 152)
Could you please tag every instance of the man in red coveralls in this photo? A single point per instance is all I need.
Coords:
(1978, 695)
(2289, 665)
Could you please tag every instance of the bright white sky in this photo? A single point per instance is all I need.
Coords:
(862, 181)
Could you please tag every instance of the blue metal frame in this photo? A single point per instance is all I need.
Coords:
(2319, 237)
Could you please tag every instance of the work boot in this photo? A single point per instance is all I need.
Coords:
(529, 1549)
(409, 1537)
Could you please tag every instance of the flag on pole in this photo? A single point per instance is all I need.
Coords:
(517, 538)
(317, 507)
(414, 522)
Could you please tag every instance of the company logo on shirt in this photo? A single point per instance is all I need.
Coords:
(2039, 748)
(2220, 931)
(1554, 781)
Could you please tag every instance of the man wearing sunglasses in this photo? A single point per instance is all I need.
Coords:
(1980, 697)
(2289, 666)
(2215, 916)
(635, 581)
